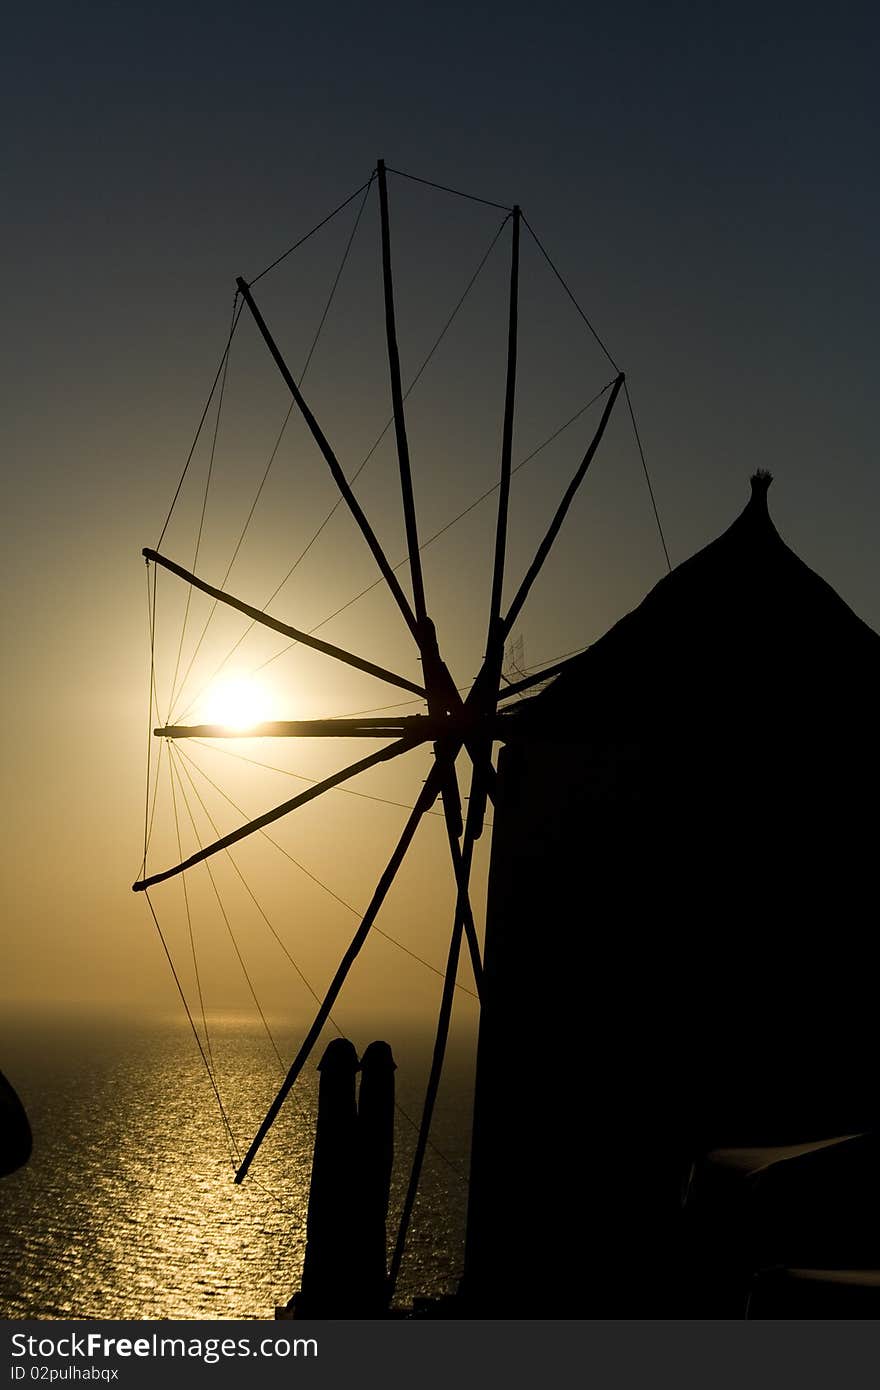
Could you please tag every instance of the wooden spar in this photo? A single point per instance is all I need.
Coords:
(425, 801)
(417, 726)
(480, 755)
(506, 439)
(339, 653)
(382, 755)
(462, 913)
(450, 793)
(553, 530)
(339, 477)
(485, 688)
(406, 488)
(441, 692)
(462, 881)
(437, 1060)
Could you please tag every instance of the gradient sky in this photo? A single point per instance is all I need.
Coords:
(714, 206)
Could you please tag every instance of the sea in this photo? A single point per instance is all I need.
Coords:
(128, 1209)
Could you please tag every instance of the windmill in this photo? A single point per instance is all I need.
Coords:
(453, 724)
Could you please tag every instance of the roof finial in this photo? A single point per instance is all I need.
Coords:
(760, 482)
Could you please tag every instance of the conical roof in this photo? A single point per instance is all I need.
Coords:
(743, 619)
(685, 815)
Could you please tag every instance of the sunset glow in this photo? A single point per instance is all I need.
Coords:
(238, 702)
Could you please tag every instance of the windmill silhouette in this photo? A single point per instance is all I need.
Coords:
(453, 723)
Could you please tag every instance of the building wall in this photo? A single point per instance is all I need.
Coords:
(676, 957)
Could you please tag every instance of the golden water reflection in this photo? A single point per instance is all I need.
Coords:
(128, 1208)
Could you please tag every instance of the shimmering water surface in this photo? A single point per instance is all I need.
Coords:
(127, 1208)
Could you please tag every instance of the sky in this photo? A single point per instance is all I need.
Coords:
(713, 206)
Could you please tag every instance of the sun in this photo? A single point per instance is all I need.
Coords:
(238, 702)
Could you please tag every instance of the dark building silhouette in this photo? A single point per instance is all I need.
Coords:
(332, 1275)
(16, 1141)
(680, 926)
(344, 1270)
